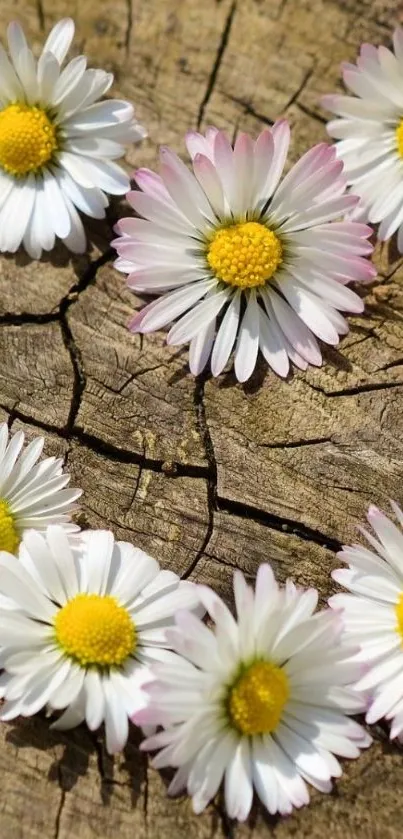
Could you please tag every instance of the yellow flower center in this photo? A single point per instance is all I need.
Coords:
(27, 139)
(257, 699)
(244, 255)
(9, 537)
(399, 615)
(94, 630)
(399, 138)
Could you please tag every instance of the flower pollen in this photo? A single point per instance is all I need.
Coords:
(399, 138)
(399, 615)
(95, 631)
(245, 254)
(9, 537)
(257, 698)
(27, 139)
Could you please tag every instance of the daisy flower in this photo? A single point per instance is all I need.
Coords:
(33, 492)
(58, 143)
(372, 613)
(246, 263)
(260, 701)
(88, 622)
(370, 130)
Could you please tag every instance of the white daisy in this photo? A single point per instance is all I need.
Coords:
(370, 130)
(87, 626)
(373, 615)
(57, 143)
(261, 701)
(227, 242)
(32, 494)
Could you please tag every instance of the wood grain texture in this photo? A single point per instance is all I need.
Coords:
(206, 475)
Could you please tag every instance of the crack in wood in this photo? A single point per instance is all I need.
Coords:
(41, 15)
(310, 113)
(296, 444)
(129, 26)
(216, 66)
(102, 447)
(79, 377)
(248, 108)
(275, 522)
(211, 476)
(145, 791)
(294, 98)
(69, 299)
(228, 826)
(60, 807)
(26, 318)
(89, 277)
(60, 316)
(389, 366)
(132, 378)
(354, 391)
(215, 502)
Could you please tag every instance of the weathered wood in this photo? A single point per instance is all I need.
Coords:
(205, 475)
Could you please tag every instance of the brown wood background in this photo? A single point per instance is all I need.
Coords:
(206, 475)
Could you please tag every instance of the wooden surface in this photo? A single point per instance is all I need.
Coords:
(206, 475)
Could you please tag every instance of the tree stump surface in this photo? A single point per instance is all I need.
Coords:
(206, 475)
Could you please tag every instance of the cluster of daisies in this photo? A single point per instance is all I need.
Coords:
(237, 258)
(92, 630)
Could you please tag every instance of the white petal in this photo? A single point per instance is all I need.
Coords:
(89, 201)
(198, 318)
(200, 348)
(171, 306)
(309, 309)
(15, 214)
(281, 138)
(294, 329)
(238, 783)
(226, 335)
(60, 38)
(95, 700)
(48, 74)
(68, 79)
(76, 240)
(56, 204)
(16, 584)
(68, 691)
(272, 346)
(244, 165)
(224, 164)
(208, 178)
(116, 722)
(185, 189)
(248, 340)
(112, 112)
(11, 88)
(73, 716)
